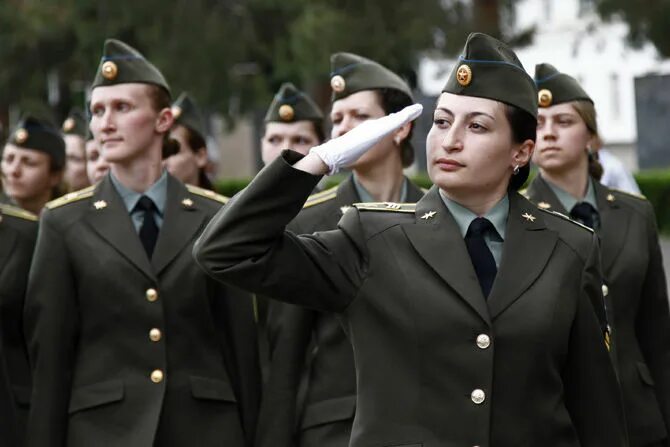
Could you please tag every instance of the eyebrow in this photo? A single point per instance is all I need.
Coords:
(469, 115)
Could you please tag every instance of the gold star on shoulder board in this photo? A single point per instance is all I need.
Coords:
(429, 215)
(100, 204)
(187, 202)
(344, 209)
(544, 205)
(529, 217)
(611, 198)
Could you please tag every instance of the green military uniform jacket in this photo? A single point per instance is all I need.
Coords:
(436, 364)
(636, 291)
(18, 232)
(327, 413)
(132, 352)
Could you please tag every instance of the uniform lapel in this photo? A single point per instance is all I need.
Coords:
(7, 242)
(527, 248)
(541, 195)
(614, 222)
(109, 217)
(437, 239)
(181, 221)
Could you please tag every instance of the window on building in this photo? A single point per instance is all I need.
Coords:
(547, 9)
(585, 6)
(616, 95)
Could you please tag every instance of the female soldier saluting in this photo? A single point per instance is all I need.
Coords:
(502, 351)
(631, 258)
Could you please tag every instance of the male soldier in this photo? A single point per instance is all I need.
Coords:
(130, 343)
(18, 231)
(75, 128)
(362, 89)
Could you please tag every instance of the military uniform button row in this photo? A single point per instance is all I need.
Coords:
(152, 295)
(157, 376)
(478, 396)
(155, 334)
(483, 341)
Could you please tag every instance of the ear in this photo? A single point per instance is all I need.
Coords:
(401, 133)
(165, 120)
(201, 157)
(523, 153)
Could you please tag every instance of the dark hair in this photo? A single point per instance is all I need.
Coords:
(393, 100)
(197, 142)
(524, 127)
(160, 99)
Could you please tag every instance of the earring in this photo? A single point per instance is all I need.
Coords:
(516, 169)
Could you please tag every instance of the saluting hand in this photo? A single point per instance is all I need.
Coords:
(346, 149)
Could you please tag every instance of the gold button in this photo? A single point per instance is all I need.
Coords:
(152, 295)
(483, 341)
(606, 290)
(478, 396)
(338, 84)
(544, 98)
(157, 376)
(109, 70)
(155, 334)
(286, 112)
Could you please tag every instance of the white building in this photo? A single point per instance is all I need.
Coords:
(571, 36)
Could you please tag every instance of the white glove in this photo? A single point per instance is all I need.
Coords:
(346, 149)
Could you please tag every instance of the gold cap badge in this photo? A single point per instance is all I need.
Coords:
(21, 135)
(176, 111)
(464, 75)
(338, 84)
(544, 97)
(286, 112)
(68, 125)
(109, 70)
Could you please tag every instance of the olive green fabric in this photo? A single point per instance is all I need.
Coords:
(290, 105)
(351, 73)
(494, 73)
(75, 124)
(39, 135)
(560, 87)
(123, 64)
(187, 114)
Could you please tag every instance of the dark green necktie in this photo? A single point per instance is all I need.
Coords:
(149, 229)
(481, 256)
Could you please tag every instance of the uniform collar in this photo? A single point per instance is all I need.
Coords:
(569, 201)
(157, 193)
(463, 216)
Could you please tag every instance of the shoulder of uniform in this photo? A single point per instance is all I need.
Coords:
(387, 206)
(628, 194)
(71, 197)
(207, 193)
(15, 211)
(567, 218)
(424, 190)
(320, 197)
(524, 192)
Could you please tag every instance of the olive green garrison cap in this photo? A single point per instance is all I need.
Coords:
(186, 113)
(555, 87)
(351, 73)
(40, 135)
(488, 68)
(290, 105)
(123, 64)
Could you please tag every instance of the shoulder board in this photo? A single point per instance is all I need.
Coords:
(321, 197)
(70, 197)
(563, 216)
(524, 192)
(387, 206)
(424, 190)
(15, 211)
(628, 193)
(207, 193)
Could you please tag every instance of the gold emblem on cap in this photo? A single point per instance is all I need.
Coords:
(286, 112)
(338, 84)
(109, 70)
(544, 97)
(21, 136)
(68, 125)
(464, 75)
(176, 111)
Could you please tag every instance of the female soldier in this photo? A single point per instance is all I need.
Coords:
(189, 163)
(502, 351)
(75, 129)
(362, 90)
(96, 165)
(567, 134)
(33, 162)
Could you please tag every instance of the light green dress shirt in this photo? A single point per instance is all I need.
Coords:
(497, 215)
(569, 201)
(365, 196)
(157, 192)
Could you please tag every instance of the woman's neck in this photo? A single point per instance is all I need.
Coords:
(383, 181)
(573, 181)
(479, 202)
